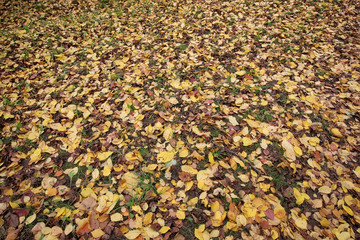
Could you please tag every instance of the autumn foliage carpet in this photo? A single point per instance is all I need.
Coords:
(191, 119)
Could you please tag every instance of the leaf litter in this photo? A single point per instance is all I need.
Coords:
(179, 120)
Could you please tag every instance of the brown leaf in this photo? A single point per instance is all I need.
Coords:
(179, 237)
(21, 211)
(185, 176)
(83, 229)
(94, 223)
(12, 220)
(270, 214)
(12, 234)
(88, 204)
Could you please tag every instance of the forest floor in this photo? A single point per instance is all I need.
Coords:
(179, 119)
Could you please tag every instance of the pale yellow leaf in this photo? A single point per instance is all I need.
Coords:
(132, 234)
(300, 222)
(116, 217)
(168, 132)
(233, 120)
(68, 229)
(289, 150)
(325, 190)
(30, 219)
(97, 233)
(151, 232)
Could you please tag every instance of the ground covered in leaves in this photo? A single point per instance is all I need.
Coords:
(179, 120)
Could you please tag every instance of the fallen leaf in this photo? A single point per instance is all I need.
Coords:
(97, 233)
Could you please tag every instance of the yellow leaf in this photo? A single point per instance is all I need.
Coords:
(131, 180)
(211, 158)
(183, 153)
(35, 156)
(336, 132)
(240, 73)
(14, 205)
(188, 185)
(199, 232)
(106, 171)
(189, 169)
(148, 218)
(298, 151)
(324, 189)
(292, 65)
(86, 192)
(249, 211)
(313, 141)
(164, 229)
(9, 192)
(192, 202)
(104, 155)
(324, 222)
(61, 57)
(68, 229)
(289, 150)
(95, 174)
(134, 156)
(168, 132)
(300, 197)
(133, 234)
(233, 121)
(166, 156)
(203, 186)
(241, 220)
(97, 233)
(101, 203)
(217, 219)
(343, 235)
(263, 102)
(279, 211)
(244, 178)
(151, 167)
(151, 233)
(239, 101)
(30, 219)
(348, 210)
(247, 141)
(300, 222)
(199, 133)
(137, 209)
(215, 206)
(116, 217)
(180, 214)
